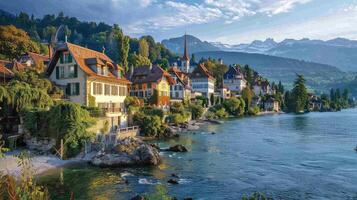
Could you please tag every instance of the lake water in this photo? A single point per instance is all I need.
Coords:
(286, 156)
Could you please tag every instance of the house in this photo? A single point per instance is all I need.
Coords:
(202, 81)
(31, 59)
(262, 87)
(146, 80)
(92, 79)
(271, 105)
(234, 80)
(5, 73)
(181, 90)
(225, 92)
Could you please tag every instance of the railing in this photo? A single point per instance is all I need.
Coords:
(111, 139)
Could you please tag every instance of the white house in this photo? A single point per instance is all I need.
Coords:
(92, 79)
(202, 81)
(181, 90)
(234, 80)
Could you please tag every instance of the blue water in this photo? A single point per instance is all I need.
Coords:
(286, 156)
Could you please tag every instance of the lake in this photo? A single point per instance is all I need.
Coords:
(285, 156)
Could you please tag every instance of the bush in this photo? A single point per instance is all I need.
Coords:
(253, 110)
(148, 110)
(70, 122)
(178, 118)
(149, 125)
(221, 113)
(35, 121)
(177, 108)
(94, 111)
(256, 196)
(234, 106)
(196, 111)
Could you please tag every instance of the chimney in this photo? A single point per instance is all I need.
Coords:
(131, 70)
(65, 38)
(150, 66)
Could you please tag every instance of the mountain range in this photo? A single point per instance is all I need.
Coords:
(323, 63)
(339, 52)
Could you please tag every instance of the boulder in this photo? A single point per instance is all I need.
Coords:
(170, 132)
(128, 152)
(178, 148)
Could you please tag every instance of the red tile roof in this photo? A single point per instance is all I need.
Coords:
(83, 57)
(201, 71)
(147, 74)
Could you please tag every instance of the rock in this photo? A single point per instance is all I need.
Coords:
(188, 198)
(213, 133)
(43, 145)
(212, 121)
(138, 197)
(126, 182)
(174, 175)
(170, 132)
(173, 181)
(128, 152)
(178, 148)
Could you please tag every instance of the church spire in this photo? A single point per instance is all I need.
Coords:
(185, 53)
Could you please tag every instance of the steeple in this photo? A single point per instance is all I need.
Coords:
(185, 53)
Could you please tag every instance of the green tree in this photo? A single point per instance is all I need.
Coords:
(70, 122)
(123, 46)
(196, 111)
(143, 48)
(138, 60)
(14, 42)
(234, 106)
(247, 95)
(299, 95)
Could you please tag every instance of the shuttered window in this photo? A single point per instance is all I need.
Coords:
(72, 89)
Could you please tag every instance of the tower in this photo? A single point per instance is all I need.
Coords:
(185, 60)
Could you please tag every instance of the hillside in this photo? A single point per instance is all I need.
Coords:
(194, 44)
(339, 52)
(276, 68)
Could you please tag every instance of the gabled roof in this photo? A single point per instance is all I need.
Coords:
(232, 72)
(201, 72)
(182, 77)
(4, 70)
(37, 58)
(12, 66)
(84, 57)
(147, 74)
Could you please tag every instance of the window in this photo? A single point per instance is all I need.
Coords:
(115, 90)
(97, 89)
(106, 89)
(105, 71)
(65, 57)
(72, 89)
(99, 70)
(61, 72)
(72, 71)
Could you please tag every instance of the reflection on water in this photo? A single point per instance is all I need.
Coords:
(286, 156)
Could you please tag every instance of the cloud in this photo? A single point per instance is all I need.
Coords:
(150, 16)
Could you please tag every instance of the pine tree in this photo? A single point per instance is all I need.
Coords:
(143, 48)
(299, 95)
(123, 46)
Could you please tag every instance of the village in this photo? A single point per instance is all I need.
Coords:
(75, 104)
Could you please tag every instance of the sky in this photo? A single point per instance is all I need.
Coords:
(225, 21)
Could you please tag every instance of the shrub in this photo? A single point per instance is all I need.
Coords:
(221, 113)
(253, 110)
(94, 111)
(149, 125)
(70, 122)
(177, 108)
(234, 106)
(178, 118)
(196, 111)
